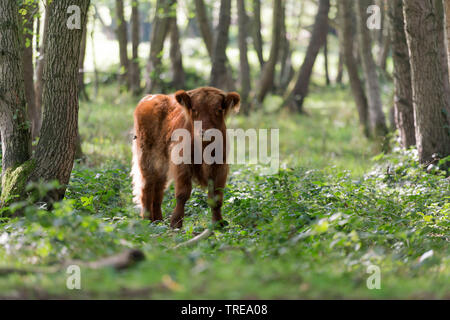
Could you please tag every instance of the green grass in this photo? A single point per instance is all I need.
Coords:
(309, 231)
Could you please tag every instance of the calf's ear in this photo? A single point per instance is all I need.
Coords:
(184, 99)
(232, 102)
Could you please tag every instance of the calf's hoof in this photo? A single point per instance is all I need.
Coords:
(220, 224)
(176, 224)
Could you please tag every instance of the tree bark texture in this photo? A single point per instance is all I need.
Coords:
(15, 129)
(403, 103)
(346, 32)
(376, 116)
(55, 151)
(430, 98)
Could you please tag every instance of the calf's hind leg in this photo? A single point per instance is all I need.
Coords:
(183, 188)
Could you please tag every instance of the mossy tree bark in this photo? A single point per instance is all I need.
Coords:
(430, 93)
(54, 155)
(15, 129)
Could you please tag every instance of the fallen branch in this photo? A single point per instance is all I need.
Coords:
(118, 261)
(205, 234)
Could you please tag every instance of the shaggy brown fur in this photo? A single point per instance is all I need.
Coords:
(155, 119)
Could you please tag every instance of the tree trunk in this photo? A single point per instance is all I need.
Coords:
(81, 86)
(403, 104)
(15, 132)
(204, 25)
(376, 116)
(429, 92)
(160, 28)
(325, 62)
(257, 38)
(385, 38)
(40, 62)
(178, 75)
(447, 20)
(122, 37)
(207, 35)
(340, 73)
(285, 57)
(135, 72)
(28, 69)
(56, 148)
(297, 96)
(219, 58)
(268, 72)
(346, 41)
(243, 58)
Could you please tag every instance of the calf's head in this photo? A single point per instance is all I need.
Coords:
(208, 105)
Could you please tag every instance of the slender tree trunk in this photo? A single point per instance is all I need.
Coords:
(296, 97)
(40, 62)
(403, 104)
(447, 23)
(135, 72)
(340, 73)
(28, 69)
(219, 60)
(243, 58)
(285, 57)
(81, 86)
(178, 74)
(204, 25)
(430, 98)
(56, 148)
(160, 29)
(384, 36)
(376, 116)
(268, 72)
(122, 37)
(325, 62)
(346, 18)
(53, 159)
(15, 132)
(208, 37)
(257, 37)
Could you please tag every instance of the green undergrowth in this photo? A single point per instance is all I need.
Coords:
(313, 230)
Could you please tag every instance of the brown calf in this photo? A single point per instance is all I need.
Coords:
(155, 119)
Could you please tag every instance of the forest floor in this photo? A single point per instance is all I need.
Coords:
(336, 212)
